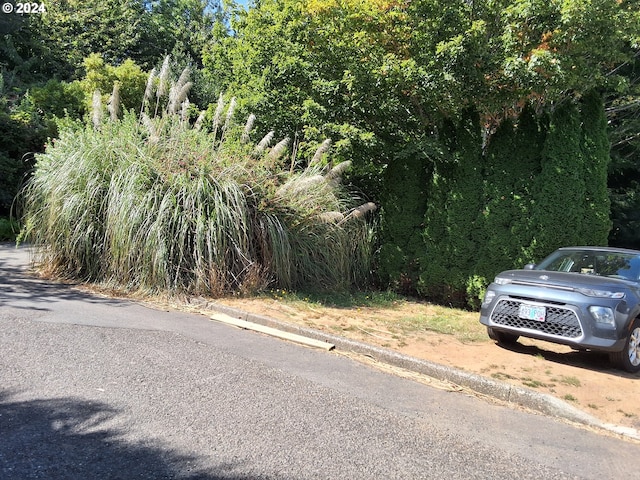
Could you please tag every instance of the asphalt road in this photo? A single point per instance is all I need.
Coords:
(96, 388)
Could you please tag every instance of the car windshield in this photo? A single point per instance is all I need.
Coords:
(625, 265)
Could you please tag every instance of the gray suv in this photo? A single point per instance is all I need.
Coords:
(584, 297)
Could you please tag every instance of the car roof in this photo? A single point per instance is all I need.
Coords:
(603, 249)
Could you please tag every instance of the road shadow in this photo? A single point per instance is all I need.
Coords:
(69, 439)
(21, 287)
(588, 360)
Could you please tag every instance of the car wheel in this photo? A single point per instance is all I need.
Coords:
(502, 337)
(629, 358)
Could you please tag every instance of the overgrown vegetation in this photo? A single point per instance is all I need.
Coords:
(9, 229)
(160, 203)
(478, 128)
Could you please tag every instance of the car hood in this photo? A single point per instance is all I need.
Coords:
(566, 280)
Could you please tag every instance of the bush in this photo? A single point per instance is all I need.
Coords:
(59, 99)
(8, 229)
(453, 230)
(23, 131)
(158, 204)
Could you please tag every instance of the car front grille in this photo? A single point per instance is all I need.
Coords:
(560, 321)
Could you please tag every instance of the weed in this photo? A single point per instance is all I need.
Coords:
(529, 382)
(627, 415)
(462, 324)
(571, 381)
(570, 398)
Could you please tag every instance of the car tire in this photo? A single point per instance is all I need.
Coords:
(629, 358)
(502, 338)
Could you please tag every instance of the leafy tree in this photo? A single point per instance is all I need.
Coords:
(23, 132)
(375, 75)
(100, 76)
(182, 26)
(54, 45)
(59, 99)
(623, 113)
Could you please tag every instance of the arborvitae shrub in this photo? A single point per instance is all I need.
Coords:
(558, 214)
(453, 221)
(501, 209)
(596, 153)
(403, 208)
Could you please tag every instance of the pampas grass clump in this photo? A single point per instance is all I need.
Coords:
(152, 203)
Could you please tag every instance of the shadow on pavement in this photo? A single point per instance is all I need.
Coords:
(20, 288)
(68, 438)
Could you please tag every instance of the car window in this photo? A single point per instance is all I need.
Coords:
(592, 262)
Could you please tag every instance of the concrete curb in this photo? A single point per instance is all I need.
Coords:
(502, 391)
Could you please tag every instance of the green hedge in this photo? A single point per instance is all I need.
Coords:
(538, 182)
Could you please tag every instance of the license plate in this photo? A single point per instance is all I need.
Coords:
(532, 312)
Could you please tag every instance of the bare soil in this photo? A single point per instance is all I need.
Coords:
(585, 380)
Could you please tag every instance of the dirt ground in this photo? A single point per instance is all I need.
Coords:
(585, 380)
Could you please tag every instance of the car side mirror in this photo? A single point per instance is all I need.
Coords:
(530, 266)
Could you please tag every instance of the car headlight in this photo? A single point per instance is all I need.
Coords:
(488, 297)
(501, 281)
(603, 315)
(590, 292)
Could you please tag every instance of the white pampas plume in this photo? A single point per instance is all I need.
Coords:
(96, 113)
(184, 111)
(229, 117)
(331, 217)
(184, 78)
(151, 129)
(218, 113)
(264, 143)
(299, 185)
(179, 91)
(276, 152)
(173, 94)
(163, 82)
(336, 172)
(200, 119)
(361, 211)
(322, 149)
(148, 91)
(247, 128)
(114, 102)
(163, 78)
(177, 95)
